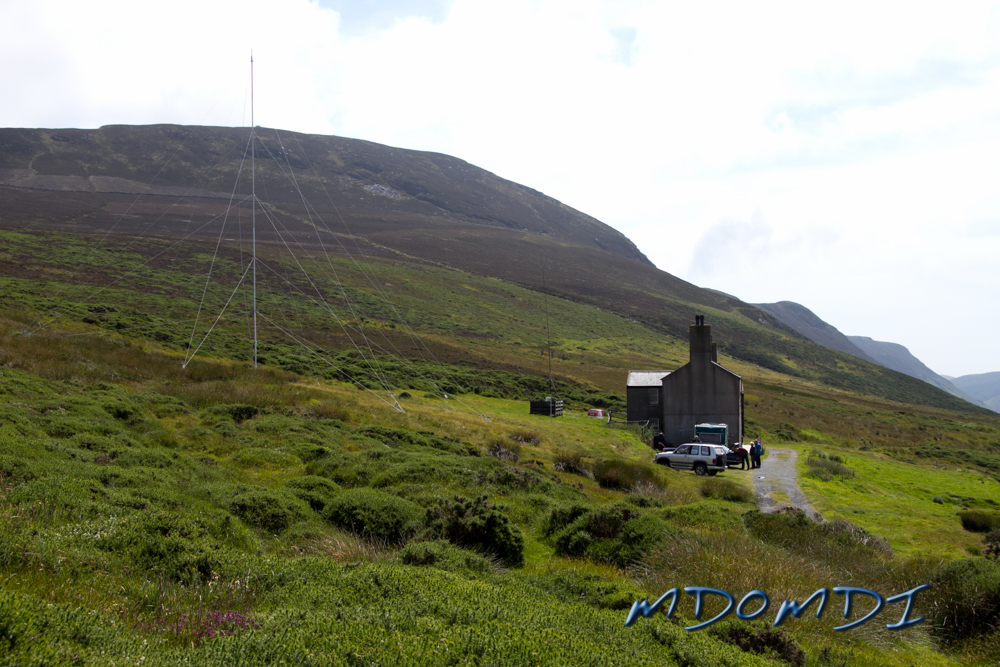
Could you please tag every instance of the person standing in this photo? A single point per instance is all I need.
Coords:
(741, 453)
(756, 449)
(659, 441)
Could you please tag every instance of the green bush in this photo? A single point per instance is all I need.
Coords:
(965, 597)
(625, 475)
(617, 534)
(476, 524)
(317, 491)
(174, 547)
(270, 510)
(374, 513)
(443, 555)
(726, 489)
(979, 521)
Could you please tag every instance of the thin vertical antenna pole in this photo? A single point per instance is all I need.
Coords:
(253, 210)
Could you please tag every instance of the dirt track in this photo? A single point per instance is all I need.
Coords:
(775, 484)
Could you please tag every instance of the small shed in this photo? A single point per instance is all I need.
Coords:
(644, 395)
(549, 407)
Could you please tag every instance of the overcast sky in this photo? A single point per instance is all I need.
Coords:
(845, 157)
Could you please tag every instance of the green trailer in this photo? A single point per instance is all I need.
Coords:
(715, 434)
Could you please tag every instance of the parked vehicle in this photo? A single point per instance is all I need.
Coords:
(702, 459)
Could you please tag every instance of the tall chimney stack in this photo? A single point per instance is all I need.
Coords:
(701, 340)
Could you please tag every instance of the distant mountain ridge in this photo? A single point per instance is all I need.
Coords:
(898, 358)
(811, 326)
(889, 355)
(984, 386)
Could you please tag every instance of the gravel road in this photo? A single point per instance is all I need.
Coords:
(775, 484)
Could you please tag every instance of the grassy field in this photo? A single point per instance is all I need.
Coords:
(344, 504)
(214, 515)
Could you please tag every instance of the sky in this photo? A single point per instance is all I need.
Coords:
(845, 156)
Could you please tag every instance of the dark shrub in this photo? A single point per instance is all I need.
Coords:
(726, 489)
(760, 639)
(562, 516)
(965, 598)
(477, 524)
(273, 511)
(317, 491)
(374, 513)
(619, 474)
(442, 555)
(980, 521)
(237, 411)
(991, 545)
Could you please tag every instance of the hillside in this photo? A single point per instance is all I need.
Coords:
(406, 207)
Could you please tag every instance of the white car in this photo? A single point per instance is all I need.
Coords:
(703, 459)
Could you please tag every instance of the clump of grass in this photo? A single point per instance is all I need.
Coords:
(726, 489)
(503, 450)
(826, 469)
(571, 462)
(939, 500)
(625, 475)
(979, 521)
(965, 597)
(526, 437)
(341, 547)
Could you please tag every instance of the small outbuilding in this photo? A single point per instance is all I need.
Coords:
(644, 397)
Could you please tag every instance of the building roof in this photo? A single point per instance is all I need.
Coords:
(646, 378)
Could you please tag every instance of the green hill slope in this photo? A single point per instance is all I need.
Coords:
(407, 207)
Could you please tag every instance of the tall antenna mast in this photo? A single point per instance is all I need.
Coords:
(253, 209)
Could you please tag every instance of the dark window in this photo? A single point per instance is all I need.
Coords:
(654, 396)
